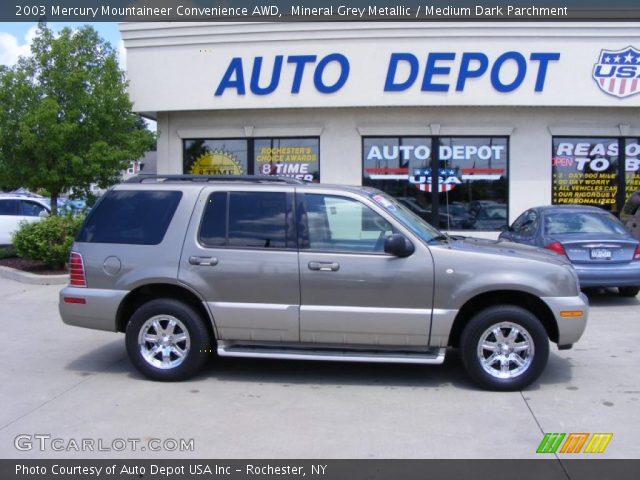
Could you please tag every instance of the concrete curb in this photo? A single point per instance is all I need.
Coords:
(32, 278)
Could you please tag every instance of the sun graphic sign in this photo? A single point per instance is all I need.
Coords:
(217, 162)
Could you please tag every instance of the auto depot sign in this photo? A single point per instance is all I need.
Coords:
(368, 65)
(403, 71)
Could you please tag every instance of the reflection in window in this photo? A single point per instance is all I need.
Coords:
(342, 224)
(215, 157)
(632, 167)
(572, 222)
(585, 172)
(248, 220)
(466, 174)
(296, 157)
(260, 220)
(213, 230)
(474, 170)
(289, 157)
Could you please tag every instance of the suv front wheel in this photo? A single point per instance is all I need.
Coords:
(504, 347)
(167, 340)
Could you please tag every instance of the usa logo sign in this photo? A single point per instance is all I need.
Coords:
(617, 72)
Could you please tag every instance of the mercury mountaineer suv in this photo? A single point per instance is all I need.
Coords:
(273, 267)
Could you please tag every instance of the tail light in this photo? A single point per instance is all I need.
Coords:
(556, 247)
(636, 254)
(76, 270)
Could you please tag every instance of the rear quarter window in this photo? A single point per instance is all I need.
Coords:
(131, 217)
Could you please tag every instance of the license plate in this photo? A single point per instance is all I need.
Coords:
(600, 254)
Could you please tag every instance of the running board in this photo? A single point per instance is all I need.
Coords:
(433, 357)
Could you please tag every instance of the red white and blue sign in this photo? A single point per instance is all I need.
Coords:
(448, 177)
(617, 72)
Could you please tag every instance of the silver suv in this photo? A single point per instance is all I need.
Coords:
(276, 268)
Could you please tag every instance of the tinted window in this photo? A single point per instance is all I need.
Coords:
(213, 230)
(8, 207)
(131, 217)
(248, 219)
(260, 220)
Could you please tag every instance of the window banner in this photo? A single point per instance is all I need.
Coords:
(631, 166)
(585, 172)
(289, 157)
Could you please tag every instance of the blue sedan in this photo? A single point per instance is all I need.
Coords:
(601, 250)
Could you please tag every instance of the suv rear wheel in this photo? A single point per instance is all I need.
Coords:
(504, 347)
(167, 340)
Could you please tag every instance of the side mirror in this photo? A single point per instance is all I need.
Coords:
(43, 214)
(398, 245)
(506, 228)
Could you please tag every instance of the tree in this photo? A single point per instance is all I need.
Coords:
(67, 121)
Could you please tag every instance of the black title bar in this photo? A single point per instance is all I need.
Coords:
(547, 469)
(317, 10)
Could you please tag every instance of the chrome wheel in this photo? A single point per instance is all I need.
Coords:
(164, 342)
(505, 350)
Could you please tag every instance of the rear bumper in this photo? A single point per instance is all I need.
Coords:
(570, 328)
(623, 275)
(98, 310)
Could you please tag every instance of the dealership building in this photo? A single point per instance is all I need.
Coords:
(467, 124)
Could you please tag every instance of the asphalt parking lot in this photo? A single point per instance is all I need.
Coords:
(72, 384)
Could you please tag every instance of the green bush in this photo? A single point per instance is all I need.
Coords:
(49, 240)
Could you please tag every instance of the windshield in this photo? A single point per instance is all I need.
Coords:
(413, 222)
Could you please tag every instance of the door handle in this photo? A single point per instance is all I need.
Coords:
(324, 266)
(203, 261)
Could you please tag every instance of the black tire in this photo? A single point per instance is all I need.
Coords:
(196, 347)
(532, 332)
(628, 291)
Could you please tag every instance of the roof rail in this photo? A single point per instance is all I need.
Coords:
(151, 178)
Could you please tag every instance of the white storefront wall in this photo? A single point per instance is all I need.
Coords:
(175, 71)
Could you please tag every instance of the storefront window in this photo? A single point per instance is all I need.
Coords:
(474, 193)
(632, 166)
(289, 157)
(215, 157)
(469, 191)
(388, 164)
(586, 171)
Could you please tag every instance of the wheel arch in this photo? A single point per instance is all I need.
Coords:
(503, 297)
(145, 293)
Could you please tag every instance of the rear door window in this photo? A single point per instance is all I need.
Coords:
(248, 220)
(131, 217)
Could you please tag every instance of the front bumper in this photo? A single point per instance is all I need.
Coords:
(570, 328)
(98, 310)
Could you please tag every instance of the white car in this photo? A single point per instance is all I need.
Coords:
(16, 207)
